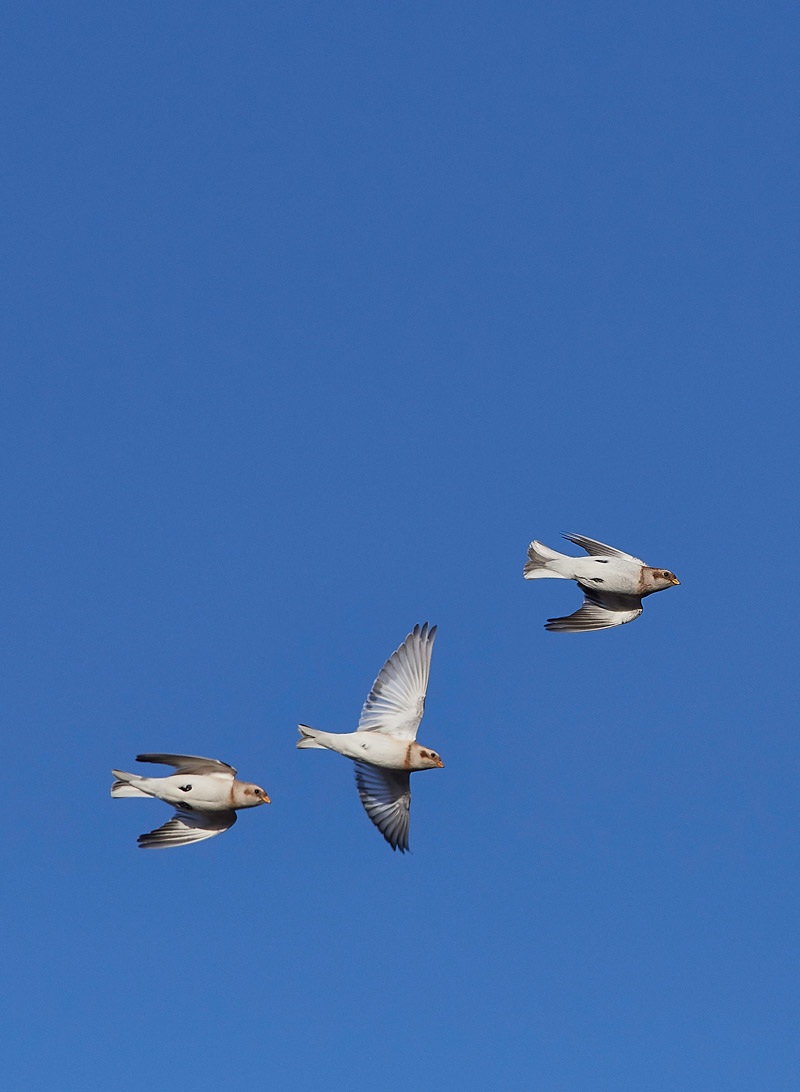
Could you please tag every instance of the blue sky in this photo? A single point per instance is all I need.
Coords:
(316, 314)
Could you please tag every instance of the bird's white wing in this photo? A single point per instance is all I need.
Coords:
(397, 700)
(188, 826)
(600, 610)
(190, 764)
(599, 549)
(386, 796)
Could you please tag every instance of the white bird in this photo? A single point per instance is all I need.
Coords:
(384, 746)
(203, 791)
(613, 583)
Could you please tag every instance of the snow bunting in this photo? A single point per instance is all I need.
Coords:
(384, 746)
(613, 583)
(203, 791)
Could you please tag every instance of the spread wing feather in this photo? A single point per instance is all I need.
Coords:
(397, 700)
(599, 549)
(386, 796)
(186, 826)
(600, 610)
(190, 764)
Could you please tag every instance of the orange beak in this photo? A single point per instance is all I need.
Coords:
(439, 764)
(675, 580)
(265, 799)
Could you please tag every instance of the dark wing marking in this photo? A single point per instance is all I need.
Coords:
(386, 796)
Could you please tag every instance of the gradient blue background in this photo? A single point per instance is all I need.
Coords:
(316, 314)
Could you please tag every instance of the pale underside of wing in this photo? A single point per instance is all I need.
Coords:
(599, 611)
(397, 700)
(599, 549)
(190, 764)
(386, 796)
(188, 826)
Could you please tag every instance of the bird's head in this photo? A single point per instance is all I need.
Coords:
(657, 579)
(249, 796)
(428, 759)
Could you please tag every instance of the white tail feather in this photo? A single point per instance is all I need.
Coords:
(123, 787)
(539, 559)
(307, 738)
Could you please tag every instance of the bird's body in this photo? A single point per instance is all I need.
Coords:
(373, 747)
(622, 577)
(205, 793)
(614, 583)
(384, 747)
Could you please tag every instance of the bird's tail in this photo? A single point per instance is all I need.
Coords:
(307, 738)
(123, 787)
(540, 558)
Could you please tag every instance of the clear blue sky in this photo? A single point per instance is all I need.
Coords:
(317, 313)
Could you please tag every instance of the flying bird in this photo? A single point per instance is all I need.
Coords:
(384, 746)
(204, 792)
(613, 583)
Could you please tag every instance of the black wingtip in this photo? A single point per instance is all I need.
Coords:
(423, 630)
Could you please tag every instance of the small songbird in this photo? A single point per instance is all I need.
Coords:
(613, 583)
(384, 746)
(203, 791)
